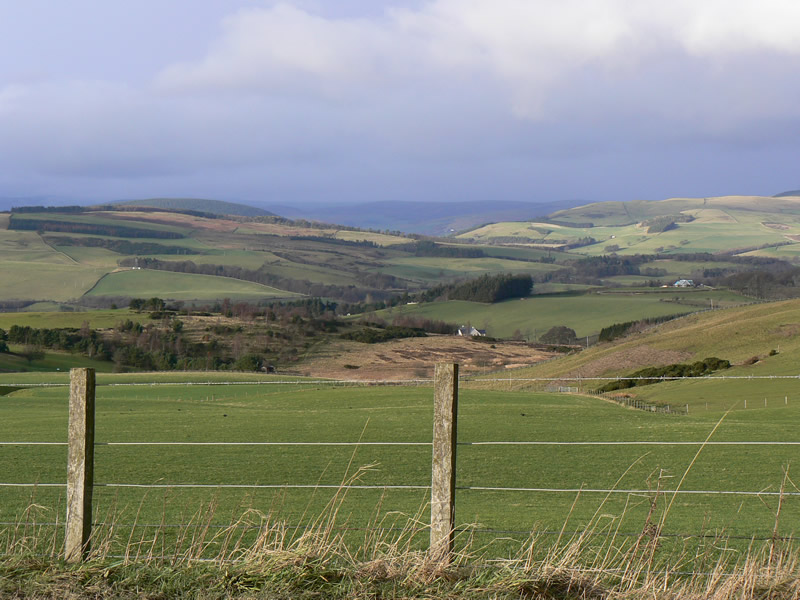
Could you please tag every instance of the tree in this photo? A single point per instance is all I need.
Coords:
(559, 334)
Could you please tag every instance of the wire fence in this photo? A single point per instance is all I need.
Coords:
(425, 486)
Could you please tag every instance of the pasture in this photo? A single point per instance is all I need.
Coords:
(432, 270)
(587, 314)
(97, 319)
(182, 286)
(569, 479)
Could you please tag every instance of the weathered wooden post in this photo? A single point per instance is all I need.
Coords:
(80, 464)
(443, 468)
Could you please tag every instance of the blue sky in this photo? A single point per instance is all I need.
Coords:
(344, 101)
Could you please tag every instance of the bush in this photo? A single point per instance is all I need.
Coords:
(650, 375)
(248, 362)
(559, 335)
(376, 336)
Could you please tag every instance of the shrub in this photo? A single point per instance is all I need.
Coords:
(650, 375)
(559, 334)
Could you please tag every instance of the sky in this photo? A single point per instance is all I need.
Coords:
(343, 101)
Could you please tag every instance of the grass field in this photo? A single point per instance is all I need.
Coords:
(15, 362)
(586, 314)
(315, 413)
(432, 270)
(98, 319)
(181, 286)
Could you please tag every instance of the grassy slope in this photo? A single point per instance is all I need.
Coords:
(217, 207)
(736, 334)
(98, 319)
(181, 286)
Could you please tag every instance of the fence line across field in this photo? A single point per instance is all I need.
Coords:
(335, 486)
(352, 444)
(400, 382)
(81, 445)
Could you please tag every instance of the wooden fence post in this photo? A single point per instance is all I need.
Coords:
(80, 464)
(443, 468)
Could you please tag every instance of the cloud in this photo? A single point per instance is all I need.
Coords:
(465, 95)
(529, 47)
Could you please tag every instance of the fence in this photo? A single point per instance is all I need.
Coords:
(443, 488)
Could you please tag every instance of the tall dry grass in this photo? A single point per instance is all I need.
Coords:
(261, 555)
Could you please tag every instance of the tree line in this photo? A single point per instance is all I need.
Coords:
(123, 231)
(486, 288)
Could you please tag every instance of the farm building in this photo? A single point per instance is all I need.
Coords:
(468, 330)
(684, 283)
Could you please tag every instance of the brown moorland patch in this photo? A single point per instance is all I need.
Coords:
(415, 358)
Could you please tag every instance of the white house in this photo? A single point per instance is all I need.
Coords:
(468, 330)
(684, 283)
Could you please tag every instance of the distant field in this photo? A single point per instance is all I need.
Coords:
(428, 269)
(181, 286)
(586, 314)
(99, 257)
(44, 281)
(53, 361)
(98, 319)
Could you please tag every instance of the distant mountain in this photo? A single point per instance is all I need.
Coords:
(789, 193)
(216, 207)
(430, 218)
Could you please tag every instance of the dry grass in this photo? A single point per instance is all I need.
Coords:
(414, 358)
(261, 556)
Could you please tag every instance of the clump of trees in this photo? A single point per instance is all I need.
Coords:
(120, 246)
(429, 248)
(486, 288)
(651, 375)
(123, 231)
(368, 335)
(618, 330)
(559, 335)
(665, 222)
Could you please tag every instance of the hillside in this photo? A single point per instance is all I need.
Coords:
(92, 257)
(215, 207)
(745, 335)
(428, 218)
(733, 224)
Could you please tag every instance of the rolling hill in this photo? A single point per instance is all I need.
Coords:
(428, 218)
(735, 224)
(215, 207)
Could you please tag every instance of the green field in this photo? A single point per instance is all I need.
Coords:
(432, 270)
(97, 319)
(315, 413)
(587, 314)
(181, 286)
